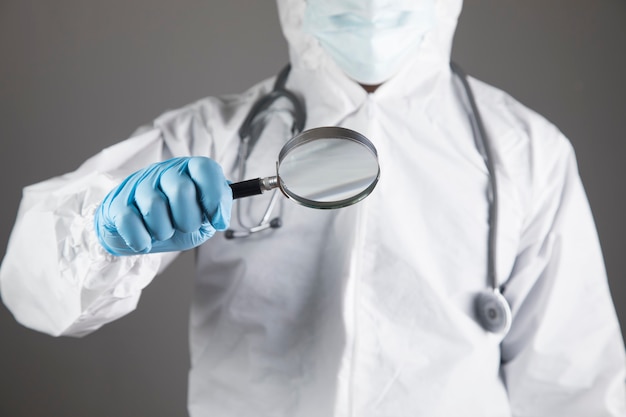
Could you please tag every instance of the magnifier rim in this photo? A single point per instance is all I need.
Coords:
(329, 132)
(332, 132)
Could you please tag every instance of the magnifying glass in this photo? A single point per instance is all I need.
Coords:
(324, 168)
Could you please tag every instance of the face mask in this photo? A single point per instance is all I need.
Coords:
(370, 40)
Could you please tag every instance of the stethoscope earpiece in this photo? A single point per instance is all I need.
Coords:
(493, 312)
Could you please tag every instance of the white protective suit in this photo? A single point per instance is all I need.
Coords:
(364, 311)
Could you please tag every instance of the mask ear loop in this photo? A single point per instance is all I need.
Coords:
(492, 309)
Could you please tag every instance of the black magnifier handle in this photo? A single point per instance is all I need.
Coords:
(253, 187)
(247, 188)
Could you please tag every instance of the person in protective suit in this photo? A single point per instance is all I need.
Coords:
(363, 311)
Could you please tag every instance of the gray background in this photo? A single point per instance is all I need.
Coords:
(78, 75)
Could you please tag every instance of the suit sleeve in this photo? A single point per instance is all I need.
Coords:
(55, 276)
(564, 355)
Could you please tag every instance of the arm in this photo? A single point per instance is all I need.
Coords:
(56, 278)
(564, 355)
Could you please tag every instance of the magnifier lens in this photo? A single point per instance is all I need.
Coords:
(328, 172)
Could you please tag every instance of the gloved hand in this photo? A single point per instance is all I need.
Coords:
(169, 206)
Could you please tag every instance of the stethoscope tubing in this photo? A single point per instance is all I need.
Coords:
(493, 178)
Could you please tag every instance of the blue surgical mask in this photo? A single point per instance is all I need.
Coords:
(370, 40)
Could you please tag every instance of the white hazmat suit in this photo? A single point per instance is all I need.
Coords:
(364, 311)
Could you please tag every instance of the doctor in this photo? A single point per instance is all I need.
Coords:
(364, 311)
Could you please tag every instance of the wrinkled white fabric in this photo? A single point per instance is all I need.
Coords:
(364, 311)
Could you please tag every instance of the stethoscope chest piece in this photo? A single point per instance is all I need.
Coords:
(493, 312)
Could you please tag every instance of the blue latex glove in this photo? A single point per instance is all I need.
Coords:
(169, 206)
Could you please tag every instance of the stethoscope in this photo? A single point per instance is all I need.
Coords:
(249, 133)
(493, 312)
(491, 308)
